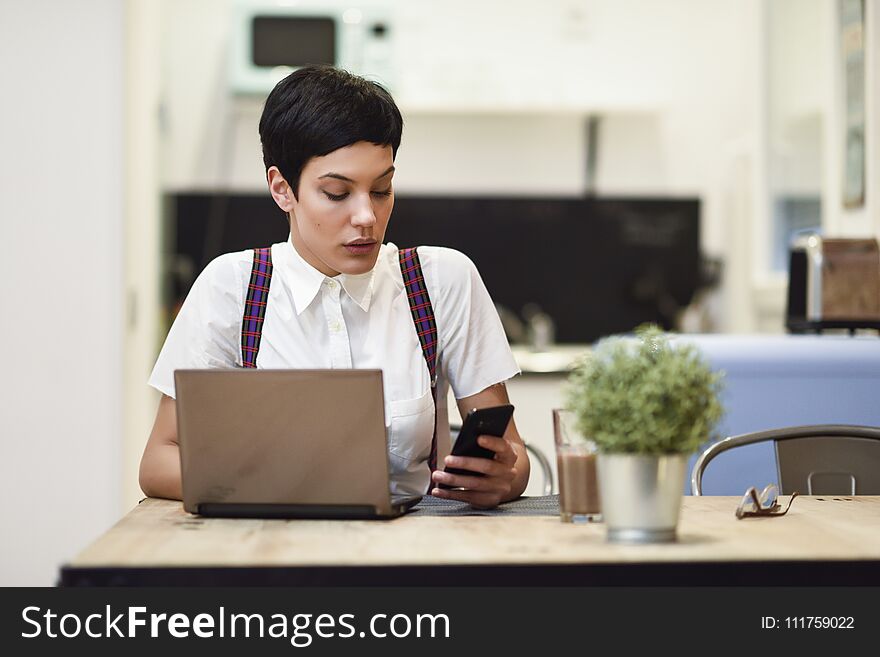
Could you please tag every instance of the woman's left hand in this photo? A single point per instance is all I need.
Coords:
(482, 492)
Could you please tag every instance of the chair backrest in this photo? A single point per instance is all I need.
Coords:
(822, 459)
(546, 470)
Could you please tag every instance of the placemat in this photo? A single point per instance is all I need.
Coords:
(544, 505)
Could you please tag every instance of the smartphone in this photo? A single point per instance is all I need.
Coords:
(489, 421)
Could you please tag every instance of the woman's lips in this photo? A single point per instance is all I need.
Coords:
(361, 248)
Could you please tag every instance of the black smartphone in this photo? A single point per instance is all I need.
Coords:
(489, 421)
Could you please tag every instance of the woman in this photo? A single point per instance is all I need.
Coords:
(337, 297)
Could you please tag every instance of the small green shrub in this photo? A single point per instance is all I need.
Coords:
(643, 395)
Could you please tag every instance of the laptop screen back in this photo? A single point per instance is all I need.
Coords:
(282, 437)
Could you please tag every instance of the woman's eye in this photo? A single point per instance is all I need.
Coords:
(387, 192)
(335, 197)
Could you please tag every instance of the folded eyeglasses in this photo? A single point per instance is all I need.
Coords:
(764, 504)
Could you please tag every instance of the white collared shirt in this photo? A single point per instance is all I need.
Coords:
(363, 321)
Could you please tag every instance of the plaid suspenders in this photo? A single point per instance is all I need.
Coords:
(255, 306)
(426, 328)
(419, 305)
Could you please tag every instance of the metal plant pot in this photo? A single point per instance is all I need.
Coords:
(641, 496)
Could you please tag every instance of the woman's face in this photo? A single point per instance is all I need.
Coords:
(345, 199)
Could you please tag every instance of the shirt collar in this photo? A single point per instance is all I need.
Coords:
(306, 281)
(359, 287)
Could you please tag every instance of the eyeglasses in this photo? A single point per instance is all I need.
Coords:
(764, 504)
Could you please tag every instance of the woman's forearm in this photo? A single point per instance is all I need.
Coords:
(160, 472)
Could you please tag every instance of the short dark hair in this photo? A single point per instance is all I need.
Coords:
(318, 109)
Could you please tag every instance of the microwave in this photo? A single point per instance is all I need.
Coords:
(269, 40)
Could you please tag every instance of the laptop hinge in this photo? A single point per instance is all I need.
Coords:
(287, 511)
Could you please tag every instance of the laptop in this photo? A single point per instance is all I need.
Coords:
(284, 444)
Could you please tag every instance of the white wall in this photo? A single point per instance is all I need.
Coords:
(872, 58)
(144, 321)
(798, 82)
(856, 222)
(788, 155)
(61, 280)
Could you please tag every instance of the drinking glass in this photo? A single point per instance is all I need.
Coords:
(576, 465)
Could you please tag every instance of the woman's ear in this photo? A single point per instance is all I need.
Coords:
(280, 190)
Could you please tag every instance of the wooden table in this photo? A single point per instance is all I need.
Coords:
(821, 541)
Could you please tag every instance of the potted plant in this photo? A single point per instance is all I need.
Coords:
(648, 404)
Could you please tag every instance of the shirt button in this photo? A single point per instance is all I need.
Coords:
(331, 285)
(334, 326)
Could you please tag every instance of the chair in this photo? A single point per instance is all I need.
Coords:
(539, 456)
(546, 470)
(822, 459)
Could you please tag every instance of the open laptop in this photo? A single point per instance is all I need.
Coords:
(284, 444)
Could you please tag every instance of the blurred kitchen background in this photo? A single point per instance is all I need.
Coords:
(604, 163)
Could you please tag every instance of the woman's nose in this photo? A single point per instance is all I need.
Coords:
(363, 214)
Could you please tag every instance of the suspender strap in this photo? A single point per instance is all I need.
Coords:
(420, 306)
(426, 327)
(255, 306)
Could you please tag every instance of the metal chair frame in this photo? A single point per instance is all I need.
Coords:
(831, 431)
